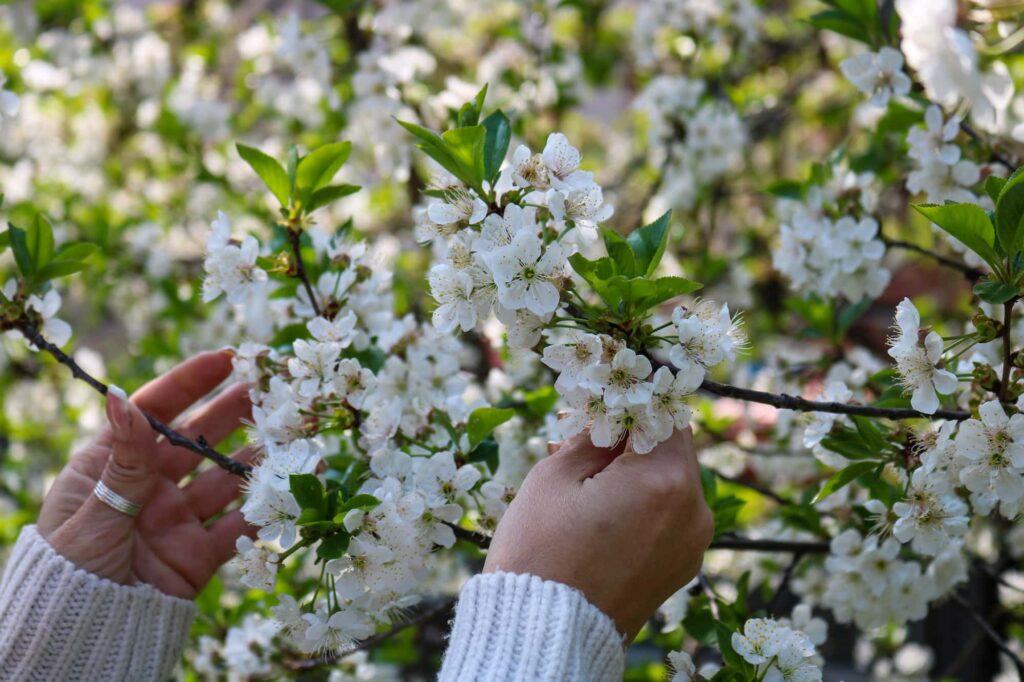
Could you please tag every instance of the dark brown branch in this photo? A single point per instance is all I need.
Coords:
(1004, 383)
(993, 154)
(199, 446)
(990, 632)
(784, 401)
(968, 271)
(726, 542)
(300, 269)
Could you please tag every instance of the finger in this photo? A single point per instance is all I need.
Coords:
(668, 459)
(582, 458)
(129, 472)
(214, 421)
(225, 531)
(212, 490)
(169, 395)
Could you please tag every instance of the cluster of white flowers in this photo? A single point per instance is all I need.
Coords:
(725, 26)
(778, 651)
(829, 243)
(45, 307)
(917, 360)
(870, 585)
(990, 460)
(939, 171)
(693, 140)
(418, 482)
(878, 75)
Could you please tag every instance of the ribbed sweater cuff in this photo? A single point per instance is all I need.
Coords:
(58, 622)
(520, 627)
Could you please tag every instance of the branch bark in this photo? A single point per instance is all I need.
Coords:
(300, 269)
(199, 446)
(971, 273)
(991, 633)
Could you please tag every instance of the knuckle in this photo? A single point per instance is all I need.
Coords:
(120, 473)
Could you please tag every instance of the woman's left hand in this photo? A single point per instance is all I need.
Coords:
(173, 544)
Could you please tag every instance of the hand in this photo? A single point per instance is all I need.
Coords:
(627, 530)
(170, 545)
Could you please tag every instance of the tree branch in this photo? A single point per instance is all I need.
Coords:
(725, 542)
(300, 269)
(198, 446)
(968, 271)
(990, 632)
(784, 401)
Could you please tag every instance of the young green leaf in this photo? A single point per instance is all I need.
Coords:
(329, 194)
(269, 170)
(1009, 214)
(333, 546)
(498, 134)
(844, 478)
(307, 490)
(22, 255)
(483, 420)
(968, 223)
(648, 243)
(466, 146)
(319, 167)
(486, 452)
(39, 240)
(995, 292)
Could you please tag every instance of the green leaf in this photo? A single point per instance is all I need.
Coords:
(486, 452)
(993, 186)
(333, 546)
(844, 478)
(841, 23)
(871, 434)
(723, 634)
(57, 269)
(269, 170)
(319, 167)
(22, 255)
(39, 240)
(456, 151)
(1010, 213)
(648, 243)
(995, 292)
(329, 194)
(483, 420)
(966, 222)
(361, 501)
(541, 401)
(621, 252)
(466, 146)
(75, 251)
(307, 490)
(496, 141)
(664, 289)
(789, 189)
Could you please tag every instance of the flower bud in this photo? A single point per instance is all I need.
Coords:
(988, 329)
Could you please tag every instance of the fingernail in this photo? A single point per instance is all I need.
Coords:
(117, 411)
(230, 350)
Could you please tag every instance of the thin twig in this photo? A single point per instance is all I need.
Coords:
(727, 542)
(709, 592)
(993, 154)
(991, 633)
(968, 271)
(1004, 383)
(784, 401)
(773, 604)
(300, 269)
(756, 487)
(198, 446)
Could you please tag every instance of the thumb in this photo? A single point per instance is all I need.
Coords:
(582, 459)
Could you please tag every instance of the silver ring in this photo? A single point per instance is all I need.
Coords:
(115, 501)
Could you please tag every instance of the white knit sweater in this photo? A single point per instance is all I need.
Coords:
(58, 622)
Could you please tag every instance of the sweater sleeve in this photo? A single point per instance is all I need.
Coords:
(520, 627)
(58, 622)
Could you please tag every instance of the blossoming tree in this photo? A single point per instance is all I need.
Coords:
(419, 309)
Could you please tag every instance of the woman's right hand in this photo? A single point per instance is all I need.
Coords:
(627, 530)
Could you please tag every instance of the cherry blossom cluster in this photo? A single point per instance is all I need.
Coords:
(693, 139)
(829, 242)
(512, 261)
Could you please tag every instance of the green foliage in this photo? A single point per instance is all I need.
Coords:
(483, 420)
(856, 19)
(269, 171)
(846, 476)
(969, 224)
(36, 257)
